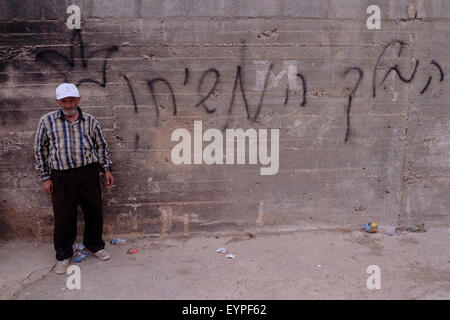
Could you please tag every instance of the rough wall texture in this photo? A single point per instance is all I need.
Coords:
(363, 114)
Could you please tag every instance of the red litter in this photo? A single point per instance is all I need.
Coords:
(132, 251)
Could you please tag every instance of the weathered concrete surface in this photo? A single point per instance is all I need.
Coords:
(392, 168)
(318, 264)
(23, 263)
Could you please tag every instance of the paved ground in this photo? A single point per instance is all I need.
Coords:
(320, 264)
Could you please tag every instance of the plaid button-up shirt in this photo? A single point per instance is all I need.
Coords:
(60, 144)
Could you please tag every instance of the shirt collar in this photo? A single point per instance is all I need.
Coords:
(80, 114)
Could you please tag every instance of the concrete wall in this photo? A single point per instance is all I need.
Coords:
(359, 149)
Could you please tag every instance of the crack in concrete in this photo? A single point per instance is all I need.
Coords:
(12, 292)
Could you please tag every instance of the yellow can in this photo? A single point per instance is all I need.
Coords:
(371, 227)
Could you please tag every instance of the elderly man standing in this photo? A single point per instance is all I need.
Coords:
(70, 148)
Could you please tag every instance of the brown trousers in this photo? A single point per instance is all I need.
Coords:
(70, 188)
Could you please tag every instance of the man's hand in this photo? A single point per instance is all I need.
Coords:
(48, 186)
(109, 180)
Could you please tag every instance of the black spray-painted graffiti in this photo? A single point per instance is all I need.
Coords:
(200, 84)
(132, 93)
(441, 72)
(350, 98)
(61, 62)
(52, 57)
(238, 82)
(395, 69)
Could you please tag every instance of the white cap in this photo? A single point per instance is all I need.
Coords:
(65, 90)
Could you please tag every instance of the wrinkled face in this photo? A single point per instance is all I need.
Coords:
(69, 105)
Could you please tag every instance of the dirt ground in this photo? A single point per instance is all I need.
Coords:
(316, 264)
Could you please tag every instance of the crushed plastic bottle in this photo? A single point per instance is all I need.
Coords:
(373, 227)
(81, 257)
(388, 230)
(118, 241)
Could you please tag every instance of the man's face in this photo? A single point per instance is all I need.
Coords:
(69, 105)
